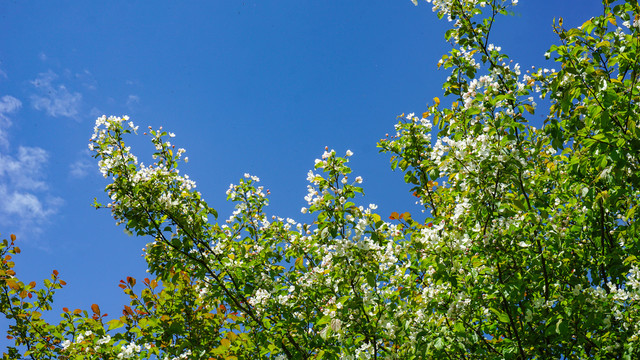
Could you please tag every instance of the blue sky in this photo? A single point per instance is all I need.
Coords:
(247, 86)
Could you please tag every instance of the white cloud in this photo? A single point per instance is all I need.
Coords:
(8, 105)
(56, 100)
(25, 203)
(25, 171)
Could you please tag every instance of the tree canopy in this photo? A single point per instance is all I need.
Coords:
(529, 249)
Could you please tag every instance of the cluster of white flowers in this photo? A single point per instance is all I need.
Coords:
(129, 351)
(184, 355)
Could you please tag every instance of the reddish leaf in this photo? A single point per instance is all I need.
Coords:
(394, 216)
(62, 282)
(96, 309)
(65, 309)
(32, 284)
(13, 237)
(123, 286)
(55, 272)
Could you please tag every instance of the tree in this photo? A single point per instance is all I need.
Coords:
(530, 249)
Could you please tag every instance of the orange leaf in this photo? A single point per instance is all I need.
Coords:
(394, 216)
(127, 310)
(430, 224)
(65, 309)
(32, 284)
(13, 237)
(225, 342)
(131, 280)
(77, 311)
(95, 308)
(55, 272)
(13, 284)
(62, 282)
(16, 250)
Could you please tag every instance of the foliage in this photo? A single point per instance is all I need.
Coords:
(530, 249)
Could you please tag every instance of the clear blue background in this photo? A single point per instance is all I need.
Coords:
(247, 86)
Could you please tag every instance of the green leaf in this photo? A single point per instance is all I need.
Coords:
(371, 279)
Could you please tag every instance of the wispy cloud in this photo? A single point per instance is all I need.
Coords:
(56, 100)
(8, 105)
(86, 78)
(82, 166)
(132, 100)
(25, 202)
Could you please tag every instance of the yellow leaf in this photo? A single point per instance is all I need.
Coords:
(436, 100)
(225, 342)
(529, 108)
